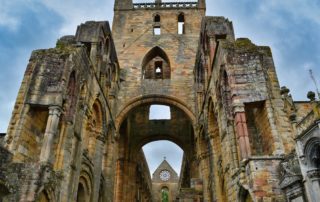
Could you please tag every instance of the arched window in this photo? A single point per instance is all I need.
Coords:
(156, 26)
(84, 188)
(181, 21)
(313, 153)
(156, 65)
(95, 127)
(71, 100)
(315, 156)
(81, 196)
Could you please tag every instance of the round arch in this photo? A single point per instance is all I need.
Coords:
(153, 99)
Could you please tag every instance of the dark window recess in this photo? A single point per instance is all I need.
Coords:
(158, 70)
(88, 47)
(157, 18)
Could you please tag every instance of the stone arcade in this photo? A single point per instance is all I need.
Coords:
(82, 114)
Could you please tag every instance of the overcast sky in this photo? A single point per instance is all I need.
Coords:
(290, 27)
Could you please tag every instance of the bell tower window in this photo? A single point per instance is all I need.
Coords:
(181, 24)
(156, 25)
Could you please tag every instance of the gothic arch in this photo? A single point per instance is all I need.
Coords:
(71, 99)
(85, 184)
(244, 195)
(216, 158)
(95, 126)
(312, 153)
(156, 64)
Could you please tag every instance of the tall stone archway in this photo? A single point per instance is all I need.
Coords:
(137, 129)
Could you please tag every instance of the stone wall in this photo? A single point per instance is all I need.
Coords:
(135, 40)
(62, 131)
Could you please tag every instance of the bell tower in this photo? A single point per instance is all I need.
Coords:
(156, 43)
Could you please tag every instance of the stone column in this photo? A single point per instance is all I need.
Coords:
(314, 176)
(119, 180)
(51, 130)
(242, 133)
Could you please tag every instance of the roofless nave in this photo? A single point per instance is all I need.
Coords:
(82, 114)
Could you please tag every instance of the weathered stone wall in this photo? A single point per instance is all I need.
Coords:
(241, 89)
(133, 29)
(62, 121)
(80, 120)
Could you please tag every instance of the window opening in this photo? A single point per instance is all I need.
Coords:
(81, 196)
(315, 156)
(156, 30)
(157, 18)
(159, 112)
(158, 69)
(181, 24)
(156, 27)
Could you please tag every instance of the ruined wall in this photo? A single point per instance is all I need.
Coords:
(237, 83)
(62, 125)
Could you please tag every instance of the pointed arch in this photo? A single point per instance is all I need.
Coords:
(71, 100)
(94, 127)
(156, 64)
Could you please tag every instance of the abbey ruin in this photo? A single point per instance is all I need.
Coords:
(82, 115)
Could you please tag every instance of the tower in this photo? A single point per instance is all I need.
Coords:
(156, 44)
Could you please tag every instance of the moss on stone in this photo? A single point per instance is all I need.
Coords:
(244, 43)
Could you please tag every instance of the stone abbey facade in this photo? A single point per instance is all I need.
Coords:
(82, 114)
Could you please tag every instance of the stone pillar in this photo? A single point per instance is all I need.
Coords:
(119, 180)
(314, 176)
(242, 133)
(51, 130)
(130, 185)
(98, 158)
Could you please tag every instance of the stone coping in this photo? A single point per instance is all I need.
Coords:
(165, 5)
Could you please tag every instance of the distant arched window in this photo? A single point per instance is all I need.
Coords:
(164, 194)
(181, 24)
